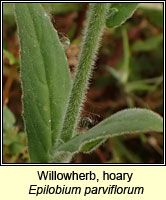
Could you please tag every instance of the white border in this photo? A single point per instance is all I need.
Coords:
(70, 164)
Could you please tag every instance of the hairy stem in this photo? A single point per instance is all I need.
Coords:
(92, 36)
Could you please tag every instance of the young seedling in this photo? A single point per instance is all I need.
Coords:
(52, 100)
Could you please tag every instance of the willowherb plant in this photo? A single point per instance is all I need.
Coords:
(52, 100)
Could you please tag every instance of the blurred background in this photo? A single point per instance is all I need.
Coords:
(128, 73)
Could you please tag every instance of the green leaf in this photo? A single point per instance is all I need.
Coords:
(119, 13)
(122, 73)
(128, 121)
(60, 8)
(45, 79)
(144, 84)
(12, 60)
(149, 44)
(16, 148)
(123, 152)
(56, 8)
(8, 119)
(154, 13)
